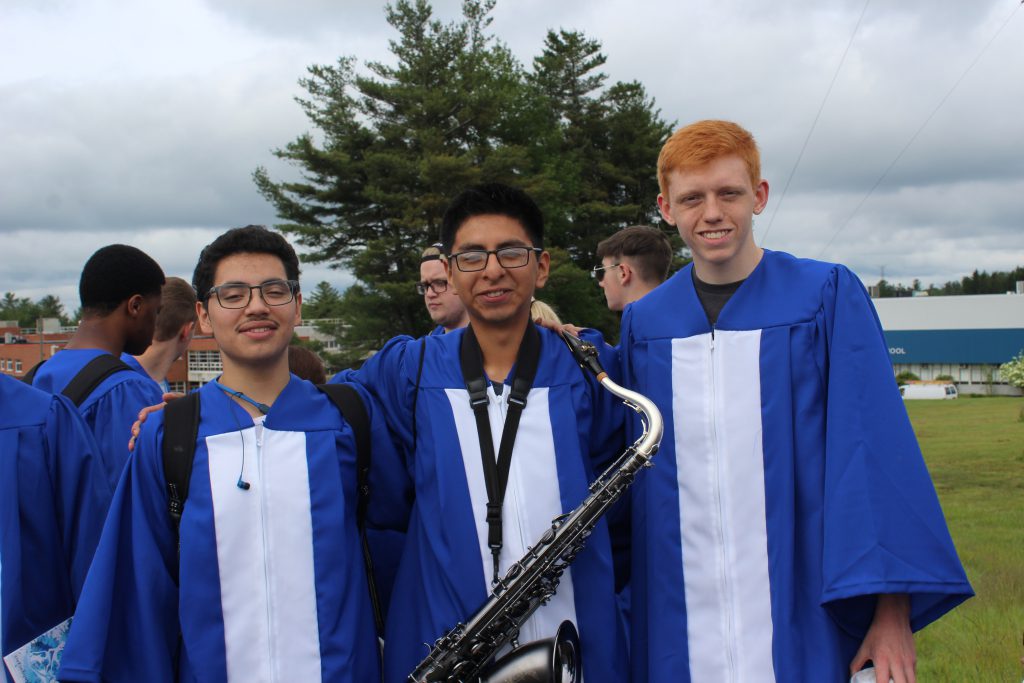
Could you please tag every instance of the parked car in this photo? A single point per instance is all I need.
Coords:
(939, 391)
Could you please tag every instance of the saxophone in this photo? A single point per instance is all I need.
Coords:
(463, 655)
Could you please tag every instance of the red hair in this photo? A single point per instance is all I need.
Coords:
(700, 143)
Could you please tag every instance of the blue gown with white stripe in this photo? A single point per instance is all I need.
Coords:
(110, 409)
(53, 498)
(569, 431)
(272, 584)
(789, 488)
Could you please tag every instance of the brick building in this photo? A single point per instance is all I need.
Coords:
(22, 348)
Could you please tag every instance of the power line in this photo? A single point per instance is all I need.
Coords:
(920, 129)
(814, 124)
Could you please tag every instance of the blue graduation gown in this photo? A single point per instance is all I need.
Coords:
(110, 410)
(133, 362)
(270, 584)
(789, 488)
(53, 499)
(569, 431)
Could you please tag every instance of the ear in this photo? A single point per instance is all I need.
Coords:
(664, 206)
(186, 332)
(205, 326)
(625, 273)
(298, 308)
(760, 197)
(134, 305)
(543, 268)
(448, 274)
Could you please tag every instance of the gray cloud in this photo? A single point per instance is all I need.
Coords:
(122, 127)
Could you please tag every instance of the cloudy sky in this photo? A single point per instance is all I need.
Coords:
(141, 122)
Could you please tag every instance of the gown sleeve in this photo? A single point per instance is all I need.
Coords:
(126, 626)
(112, 417)
(884, 529)
(82, 493)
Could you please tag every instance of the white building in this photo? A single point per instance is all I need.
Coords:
(964, 337)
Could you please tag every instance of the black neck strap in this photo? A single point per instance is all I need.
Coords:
(496, 469)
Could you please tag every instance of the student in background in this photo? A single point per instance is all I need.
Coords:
(175, 325)
(634, 261)
(120, 295)
(443, 304)
(305, 364)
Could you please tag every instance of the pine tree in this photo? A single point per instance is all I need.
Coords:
(395, 142)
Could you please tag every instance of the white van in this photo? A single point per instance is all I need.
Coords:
(940, 391)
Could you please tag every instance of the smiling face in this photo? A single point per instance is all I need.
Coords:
(713, 208)
(256, 336)
(496, 297)
(446, 308)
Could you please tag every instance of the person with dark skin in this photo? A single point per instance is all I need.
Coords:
(175, 325)
(120, 293)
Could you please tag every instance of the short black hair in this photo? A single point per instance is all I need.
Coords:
(252, 239)
(114, 274)
(492, 199)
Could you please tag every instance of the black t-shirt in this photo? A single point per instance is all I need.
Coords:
(713, 297)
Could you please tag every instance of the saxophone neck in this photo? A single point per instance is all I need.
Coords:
(586, 356)
(654, 425)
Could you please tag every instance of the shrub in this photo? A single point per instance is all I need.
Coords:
(906, 377)
(1013, 370)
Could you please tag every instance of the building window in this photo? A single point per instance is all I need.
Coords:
(17, 366)
(205, 361)
(178, 387)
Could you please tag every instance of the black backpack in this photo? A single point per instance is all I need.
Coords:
(87, 379)
(181, 430)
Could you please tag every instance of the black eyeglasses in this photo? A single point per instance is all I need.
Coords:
(437, 286)
(472, 260)
(597, 272)
(238, 295)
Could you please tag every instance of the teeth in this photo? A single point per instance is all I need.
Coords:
(716, 235)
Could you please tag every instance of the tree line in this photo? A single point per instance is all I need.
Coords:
(982, 282)
(28, 312)
(391, 144)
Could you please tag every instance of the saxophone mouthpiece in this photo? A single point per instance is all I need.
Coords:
(585, 354)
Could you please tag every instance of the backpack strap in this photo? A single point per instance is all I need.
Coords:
(416, 389)
(31, 374)
(90, 376)
(181, 429)
(352, 409)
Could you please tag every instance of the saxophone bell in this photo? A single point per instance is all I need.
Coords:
(464, 654)
(551, 660)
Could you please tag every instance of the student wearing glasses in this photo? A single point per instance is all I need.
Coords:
(262, 578)
(443, 304)
(567, 432)
(634, 261)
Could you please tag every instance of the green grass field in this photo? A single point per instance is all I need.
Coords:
(974, 448)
